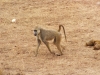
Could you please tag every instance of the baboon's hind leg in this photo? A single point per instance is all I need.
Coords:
(57, 43)
(59, 48)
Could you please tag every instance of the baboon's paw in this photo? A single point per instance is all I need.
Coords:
(58, 54)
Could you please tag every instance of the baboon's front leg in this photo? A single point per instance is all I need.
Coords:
(39, 42)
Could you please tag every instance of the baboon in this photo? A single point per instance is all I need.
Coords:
(94, 43)
(46, 35)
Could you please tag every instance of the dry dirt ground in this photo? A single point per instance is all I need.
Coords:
(81, 19)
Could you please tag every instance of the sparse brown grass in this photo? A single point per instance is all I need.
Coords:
(81, 19)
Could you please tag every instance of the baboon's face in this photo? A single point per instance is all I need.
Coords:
(36, 31)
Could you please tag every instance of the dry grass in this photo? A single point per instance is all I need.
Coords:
(81, 19)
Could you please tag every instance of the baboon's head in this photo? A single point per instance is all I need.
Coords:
(36, 31)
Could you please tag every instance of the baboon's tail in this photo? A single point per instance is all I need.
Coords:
(63, 30)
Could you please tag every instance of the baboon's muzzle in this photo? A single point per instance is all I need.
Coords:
(35, 34)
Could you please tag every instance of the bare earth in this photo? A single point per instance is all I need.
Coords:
(81, 19)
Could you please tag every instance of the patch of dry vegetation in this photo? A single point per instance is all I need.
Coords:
(81, 19)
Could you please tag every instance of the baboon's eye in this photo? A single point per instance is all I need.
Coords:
(35, 30)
